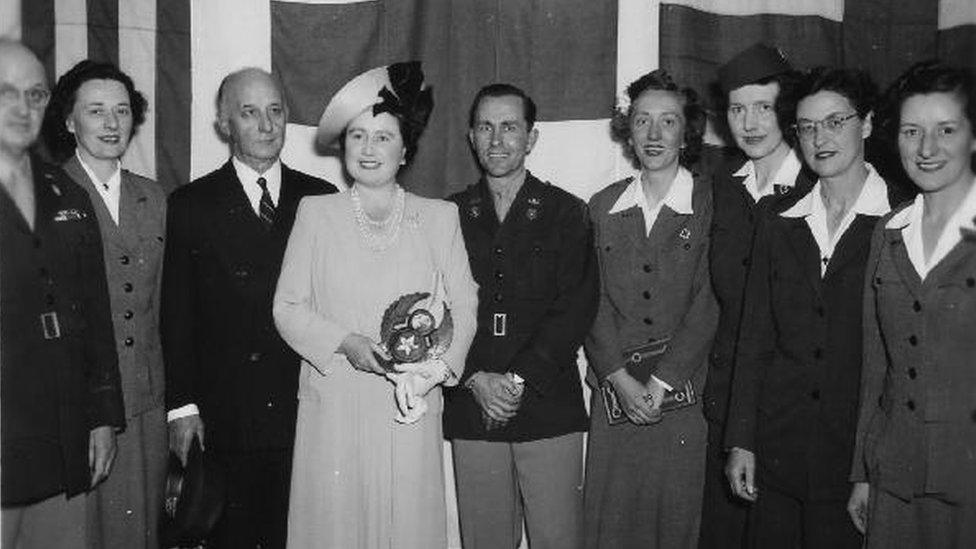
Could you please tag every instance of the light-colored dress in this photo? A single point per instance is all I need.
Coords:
(361, 480)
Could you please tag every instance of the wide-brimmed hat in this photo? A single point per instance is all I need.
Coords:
(398, 88)
(755, 63)
(195, 497)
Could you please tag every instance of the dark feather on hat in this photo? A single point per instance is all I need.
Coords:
(409, 100)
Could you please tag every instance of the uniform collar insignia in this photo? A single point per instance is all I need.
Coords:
(70, 214)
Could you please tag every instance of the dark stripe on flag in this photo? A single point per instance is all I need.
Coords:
(957, 45)
(173, 93)
(37, 32)
(885, 37)
(103, 30)
(695, 43)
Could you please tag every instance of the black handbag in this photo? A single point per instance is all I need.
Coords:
(641, 362)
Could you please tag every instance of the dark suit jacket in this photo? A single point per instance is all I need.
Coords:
(917, 428)
(798, 363)
(221, 349)
(57, 384)
(733, 227)
(133, 251)
(538, 268)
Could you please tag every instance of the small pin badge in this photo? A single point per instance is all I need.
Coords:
(534, 201)
(780, 190)
(55, 188)
(685, 233)
(474, 211)
(531, 214)
(69, 215)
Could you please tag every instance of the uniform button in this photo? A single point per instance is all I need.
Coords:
(910, 405)
(127, 287)
(498, 250)
(37, 242)
(648, 321)
(499, 275)
(877, 280)
(127, 315)
(254, 357)
(973, 416)
(971, 282)
(241, 273)
(687, 246)
(646, 294)
(916, 306)
(820, 311)
(647, 267)
(49, 299)
(815, 394)
(270, 404)
(124, 260)
(128, 342)
(745, 262)
(912, 373)
(42, 272)
(913, 340)
(498, 298)
(818, 353)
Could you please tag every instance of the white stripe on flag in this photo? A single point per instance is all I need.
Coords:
(137, 58)
(638, 52)
(576, 155)
(331, 1)
(10, 20)
(226, 35)
(954, 13)
(830, 9)
(70, 34)
(299, 153)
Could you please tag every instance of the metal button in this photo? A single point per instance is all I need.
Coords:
(820, 311)
(646, 294)
(916, 306)
(124, 260)
(913, 340)
(971, 282)
(127, 315)
(912, 373)
(815, 394)
(270, 404)
(254, 357)
(648, 321)
(128, 342)
(498, 298)
(127, 287)
(647, 267)
(818, 353)
(498, 250)
(499, 275)
(911, 405)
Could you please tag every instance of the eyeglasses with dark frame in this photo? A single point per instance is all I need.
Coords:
(832, 124)
(37, 97)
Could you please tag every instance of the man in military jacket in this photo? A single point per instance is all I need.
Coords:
(517, 417)
(61, 396)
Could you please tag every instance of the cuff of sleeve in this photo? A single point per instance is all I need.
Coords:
(183, 411)
(661, 382)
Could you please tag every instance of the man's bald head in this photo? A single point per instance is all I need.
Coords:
(251, 115)
(23, 96)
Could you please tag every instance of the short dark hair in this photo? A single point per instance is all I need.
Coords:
(854, 84)
(784, 108)
(931, 76)
(60, 141)
(693, 111)
(501, 89)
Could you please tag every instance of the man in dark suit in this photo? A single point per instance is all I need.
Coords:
(231, 381)
(61, 394)
(517, 416)
(763, 170)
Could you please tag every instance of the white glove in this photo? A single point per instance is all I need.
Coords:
(412, 383)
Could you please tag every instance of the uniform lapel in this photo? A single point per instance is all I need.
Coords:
(234, 215)
(805, 250)
(480, 210)
(526, 208)
(899, 256)
(111, 232)
(955, 258)
(132, 211)
(852, 242)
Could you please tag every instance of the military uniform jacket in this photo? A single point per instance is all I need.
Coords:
(60, 375)
(133, 251)
(221, 348)
(733, 227)
(537, 278)
(798, 362)
(917, 429)
(654, 286)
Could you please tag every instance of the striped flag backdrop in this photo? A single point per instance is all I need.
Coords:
(573, 56)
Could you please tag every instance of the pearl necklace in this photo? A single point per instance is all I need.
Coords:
(378, 235)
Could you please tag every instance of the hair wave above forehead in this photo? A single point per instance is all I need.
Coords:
(927, 77)
(853, 84)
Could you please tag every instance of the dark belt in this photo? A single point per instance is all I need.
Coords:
(50, 326)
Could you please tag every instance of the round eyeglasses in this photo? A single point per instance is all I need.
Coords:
(832, 124)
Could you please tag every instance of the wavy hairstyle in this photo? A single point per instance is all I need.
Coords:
(693, 111)
(932, 76)
(59, 140)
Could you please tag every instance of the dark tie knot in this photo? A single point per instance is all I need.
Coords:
(263, 183)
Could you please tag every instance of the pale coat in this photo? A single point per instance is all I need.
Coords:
(125, 509)
(359, 479)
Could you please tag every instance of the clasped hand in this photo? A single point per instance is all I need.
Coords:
(411, 383)
(641, 403)
(498, 396)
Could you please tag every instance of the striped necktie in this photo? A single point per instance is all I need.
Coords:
(266, 209)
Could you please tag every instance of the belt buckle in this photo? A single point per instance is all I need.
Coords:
(498, 326)
(50, 325)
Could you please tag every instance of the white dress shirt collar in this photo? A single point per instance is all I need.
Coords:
(249, 181)
(873, 201)
(679, 198)
(110, 190)
(785, 176)
(909, 220)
